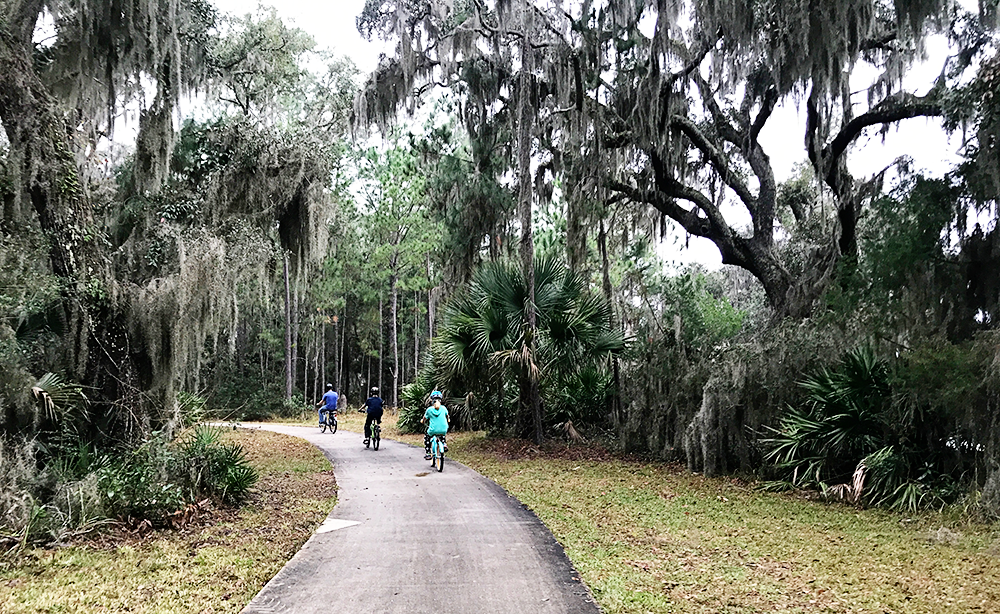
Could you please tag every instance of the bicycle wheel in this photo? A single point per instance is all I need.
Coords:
(333, 427)
(376, 436)
(433, 452)
(322, 427)
(440, 457)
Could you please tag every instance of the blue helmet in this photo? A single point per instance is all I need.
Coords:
(436, 395)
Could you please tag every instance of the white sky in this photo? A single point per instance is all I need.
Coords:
(332, 24)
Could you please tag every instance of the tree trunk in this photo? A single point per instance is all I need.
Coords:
(44, 172)
(430, 315)
(318, 363)
(430, 303)
(288, 333)
(530, 401)
(393, 337)
(322, 354)
(416, 334)
(346, 358)
(616, 401)
(305, 371)
(381, 345)
(340, 362)
(295, 335)
(336, 352)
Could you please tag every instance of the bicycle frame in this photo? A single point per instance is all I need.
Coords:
(437, 452)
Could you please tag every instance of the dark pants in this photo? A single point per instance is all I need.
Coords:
(372, 417)
(427, 442)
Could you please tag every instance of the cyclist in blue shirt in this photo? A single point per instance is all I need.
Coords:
(328, 402)
(374, 407)
(437, 420)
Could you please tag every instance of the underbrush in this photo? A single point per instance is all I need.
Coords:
(68, 488)
(216, 559)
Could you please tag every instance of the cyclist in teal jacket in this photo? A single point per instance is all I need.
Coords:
(437, 420)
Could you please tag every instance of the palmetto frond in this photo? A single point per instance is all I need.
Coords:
(58, 397)
(840, 428)
(483, 329)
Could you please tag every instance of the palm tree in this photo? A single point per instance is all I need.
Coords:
(481, 343)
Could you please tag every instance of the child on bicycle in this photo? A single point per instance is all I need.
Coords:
(437, 420)
(328, 402)
(374, 408)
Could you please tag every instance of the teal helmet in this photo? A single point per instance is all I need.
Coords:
(436, 395)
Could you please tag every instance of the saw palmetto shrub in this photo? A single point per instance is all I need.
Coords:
(208, 466)
(868, 433)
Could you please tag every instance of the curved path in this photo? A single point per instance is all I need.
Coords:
(403, 539)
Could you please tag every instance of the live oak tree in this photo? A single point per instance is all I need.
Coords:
(56, 99)
(663, 104)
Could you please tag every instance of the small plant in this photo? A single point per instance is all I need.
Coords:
(136, 484)
(59, 398)
(191, 407)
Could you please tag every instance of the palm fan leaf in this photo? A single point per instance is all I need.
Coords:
(59, 397)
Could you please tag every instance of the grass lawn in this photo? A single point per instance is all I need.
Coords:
(650, 537)
(646, 537)
(216, 564)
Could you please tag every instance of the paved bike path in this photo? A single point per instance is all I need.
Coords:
(405, 539)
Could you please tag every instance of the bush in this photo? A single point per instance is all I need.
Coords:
(848, 440)
(137, 483)
(210, 467)
(409, 419)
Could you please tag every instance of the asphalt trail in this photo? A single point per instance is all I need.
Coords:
(405, 539)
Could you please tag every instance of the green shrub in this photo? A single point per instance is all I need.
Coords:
(210, 467)
(137, 483)
(850, 440)
(409, 419)
(158, 478)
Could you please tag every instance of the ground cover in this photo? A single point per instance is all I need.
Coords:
(650, 537)
(216, 563)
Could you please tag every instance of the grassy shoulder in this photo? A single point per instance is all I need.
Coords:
(650, 537)
(217, 563)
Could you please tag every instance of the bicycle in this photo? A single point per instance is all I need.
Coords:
(437, 452)
(376, 432)
(329, 421)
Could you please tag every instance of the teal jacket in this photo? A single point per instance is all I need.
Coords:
(437, 420)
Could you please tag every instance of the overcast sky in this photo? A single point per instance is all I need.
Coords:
(331, 23)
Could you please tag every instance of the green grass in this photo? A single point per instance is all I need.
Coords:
(648, 537)
(214, 566)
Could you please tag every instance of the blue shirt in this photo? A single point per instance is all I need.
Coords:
(330, 399)
(437, 420)
(374, 405)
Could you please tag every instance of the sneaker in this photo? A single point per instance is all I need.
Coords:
(367, 441)
(445, 447)
(427, 457)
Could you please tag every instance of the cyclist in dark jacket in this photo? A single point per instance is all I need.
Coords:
(374, 408)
